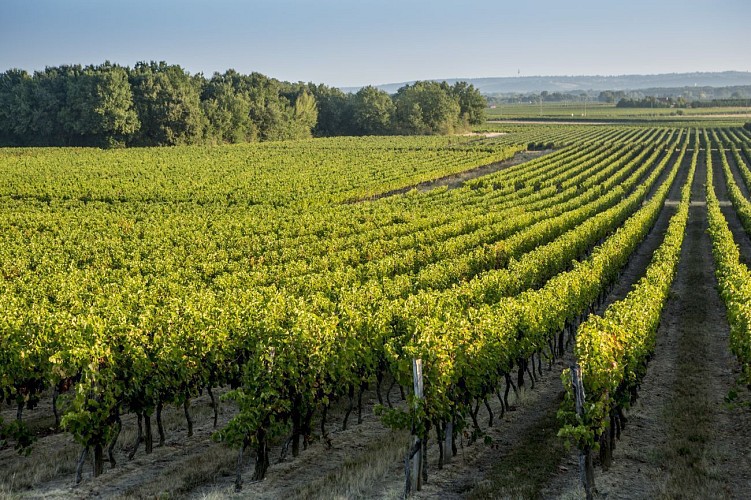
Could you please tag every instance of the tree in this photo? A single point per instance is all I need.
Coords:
(98, 106)
(116, 118)
(15, 105)
(48, 96)
(167, 101)
(372, 111)
(305, 113)
(269, 110)
(299, 111)
(227, 108)
(472, 104)
(606, 96)
(426, 108)
(335, 113)
(156, 104)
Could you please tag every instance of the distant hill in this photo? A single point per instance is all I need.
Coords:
(526, 84)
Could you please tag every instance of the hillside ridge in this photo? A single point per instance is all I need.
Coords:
(563, 83)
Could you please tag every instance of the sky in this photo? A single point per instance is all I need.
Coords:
(354, 43)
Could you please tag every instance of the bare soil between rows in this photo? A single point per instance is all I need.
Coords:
(552, 121)
(457, 180)
(684, 438)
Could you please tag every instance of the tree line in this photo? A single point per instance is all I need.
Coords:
(651, 102)
(155, 104)
(680, 102)
(722, 103)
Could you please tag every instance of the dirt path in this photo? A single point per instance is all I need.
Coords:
(552, 121)
(457, 180)
(682, 440)
(486, 135)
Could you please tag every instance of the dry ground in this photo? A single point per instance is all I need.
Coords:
(454, 181)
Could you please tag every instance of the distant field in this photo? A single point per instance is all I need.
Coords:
(602, 111)
(271, 173)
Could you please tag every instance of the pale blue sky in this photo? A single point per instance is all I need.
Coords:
(347, 42)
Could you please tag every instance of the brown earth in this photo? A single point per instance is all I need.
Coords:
(457, 180)
(486, 135)
(550, 122)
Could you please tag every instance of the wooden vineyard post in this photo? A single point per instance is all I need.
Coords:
(416, 440)
(413, 464)
(586, 469)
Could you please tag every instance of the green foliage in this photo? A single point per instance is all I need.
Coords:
(427, 108)
(652, 103)
(70, 105)
(227, 109)
(167, 100)
(157, 104)
(20, 434)
(612, 349)
(733, 277)
(305, 172)
(130, 317)
(142, 281)
(152, 104)
(334, 111)
(304, 116)
(15, 101)
(471, 103)
(99, 106)
(373, 111)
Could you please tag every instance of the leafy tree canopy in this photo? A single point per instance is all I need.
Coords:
(155, 104)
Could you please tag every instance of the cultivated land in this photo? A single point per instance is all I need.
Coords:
(580, 111)
(170, 303)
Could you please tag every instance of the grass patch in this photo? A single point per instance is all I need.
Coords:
(177, 479)
(360, 472)
(528, 467)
